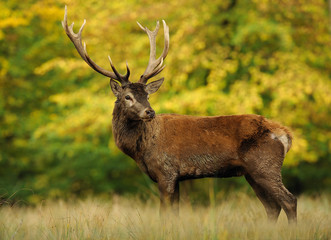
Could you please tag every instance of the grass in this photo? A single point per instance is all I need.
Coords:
(236, 217)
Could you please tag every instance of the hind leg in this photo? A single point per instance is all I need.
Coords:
(288, 203)
(271, 206)
(274, 188)
(263, 165)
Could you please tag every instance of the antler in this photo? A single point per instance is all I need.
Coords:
(76, 38)
(155, 66)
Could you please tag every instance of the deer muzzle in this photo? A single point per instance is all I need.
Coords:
(148, 114)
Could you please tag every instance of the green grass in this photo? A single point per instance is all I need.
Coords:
(236, 217)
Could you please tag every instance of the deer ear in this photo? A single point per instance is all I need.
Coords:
(154, 86)
(115, 87)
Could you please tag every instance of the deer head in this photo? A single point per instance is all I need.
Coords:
(131, 97)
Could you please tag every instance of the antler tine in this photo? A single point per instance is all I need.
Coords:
(152, 38)
(76, 39)
(155, 66)
(118, 75)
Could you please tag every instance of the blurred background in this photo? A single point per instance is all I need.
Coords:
(266, 57)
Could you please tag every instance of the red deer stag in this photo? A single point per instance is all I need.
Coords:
(170, 148)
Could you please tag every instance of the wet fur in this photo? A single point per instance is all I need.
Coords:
(172, 148)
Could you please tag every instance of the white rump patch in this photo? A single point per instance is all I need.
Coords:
(283, 139)
(273, 136)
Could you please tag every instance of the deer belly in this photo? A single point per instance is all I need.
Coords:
(209, 166)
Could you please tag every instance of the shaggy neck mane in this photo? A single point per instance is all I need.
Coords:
(130, 135)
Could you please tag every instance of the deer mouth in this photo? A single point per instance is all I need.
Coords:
(148, 119)
(148, 114)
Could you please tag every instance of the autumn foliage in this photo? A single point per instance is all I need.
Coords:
(265, 57)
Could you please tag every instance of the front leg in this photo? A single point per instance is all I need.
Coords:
(169, 195)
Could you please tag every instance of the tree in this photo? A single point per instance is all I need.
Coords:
(226, 57)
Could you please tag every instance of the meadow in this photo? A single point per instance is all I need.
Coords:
(270, 58)
(238, 216)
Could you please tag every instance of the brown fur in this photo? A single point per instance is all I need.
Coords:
(170, 148)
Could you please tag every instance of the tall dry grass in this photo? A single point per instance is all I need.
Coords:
(237, 217)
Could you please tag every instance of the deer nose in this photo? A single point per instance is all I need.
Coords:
(150, 112)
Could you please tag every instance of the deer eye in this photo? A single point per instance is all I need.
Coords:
(127, 97)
